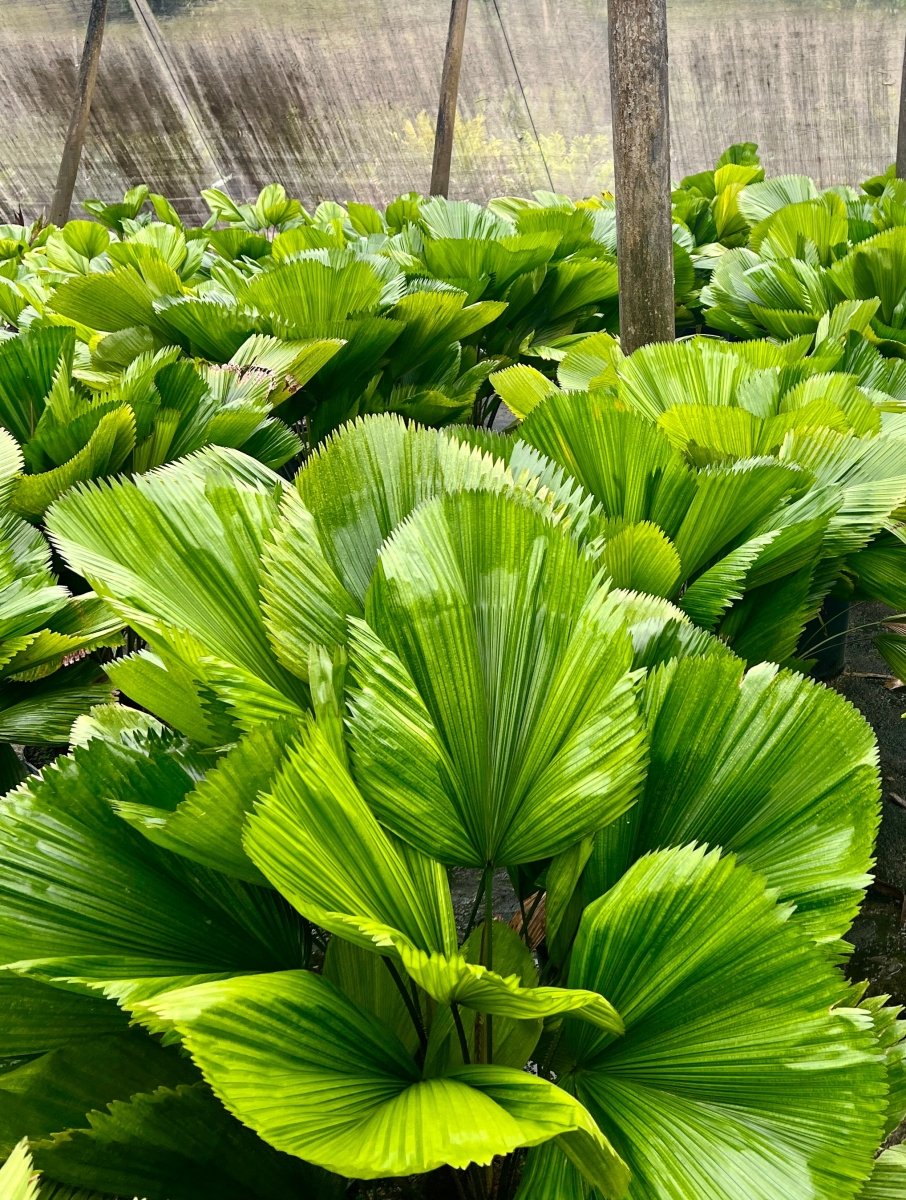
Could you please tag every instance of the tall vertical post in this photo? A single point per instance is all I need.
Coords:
(75, 135)
(449, 93)
(641, 140)
(901, 128)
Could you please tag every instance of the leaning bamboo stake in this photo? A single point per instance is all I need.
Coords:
(641, 139)
(75, 135)
(901, 129)
(449, 92)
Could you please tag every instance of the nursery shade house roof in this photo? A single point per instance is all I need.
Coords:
(337, 98)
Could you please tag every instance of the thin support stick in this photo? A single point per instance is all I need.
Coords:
(449, 94)
(641, 143)
(901, 127)
(78, 124)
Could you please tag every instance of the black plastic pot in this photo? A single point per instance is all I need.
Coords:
(824, 639)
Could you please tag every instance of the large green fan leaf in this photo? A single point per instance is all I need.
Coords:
(366, 479)
(662, 375)
(177, 551)
(104, 453)
(760, 200)
(501, 694)
(117, 299)
(357, 488)
(735, 1077)
(56, 1091)
(624, 461)
(175, 1143)
(769, 765)
(319, 1078)
(38, 1018)
(82, 890)
(316, 840)
(28, 365)
(189, 804)
(309, 295)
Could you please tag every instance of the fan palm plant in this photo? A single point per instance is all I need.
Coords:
(742, 481)
(397, 344)
(75, 424)
(42, 627)
(708, 203)
(336, 712)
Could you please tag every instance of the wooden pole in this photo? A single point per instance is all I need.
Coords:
(75, 135)
(449, 92)
(901, 129)
(641, 140)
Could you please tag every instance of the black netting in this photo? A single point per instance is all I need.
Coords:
(337, 97)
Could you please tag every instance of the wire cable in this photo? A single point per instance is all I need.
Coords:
(524, 97)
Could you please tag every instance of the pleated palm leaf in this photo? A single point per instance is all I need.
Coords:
(554, 266)
(876, 268)
(157, 285)
(447, 681)
(802, 259)
(707, 416)
(403, 346)
(749, 296)
(708, 203)
(46, 680)
(75, 424)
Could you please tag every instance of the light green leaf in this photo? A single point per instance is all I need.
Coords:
(301, 837)
(734, 1077)
(714, 591)
(177, 552)
(641, 558)
(10, 464)
(622, 459)
(514, 718)
(18, 1178)
(522, 388)
(366, 479)
(315, 839)
(361, 1108)
(771, 766)
(888, 1178)
(589, 364)
(103, 454)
